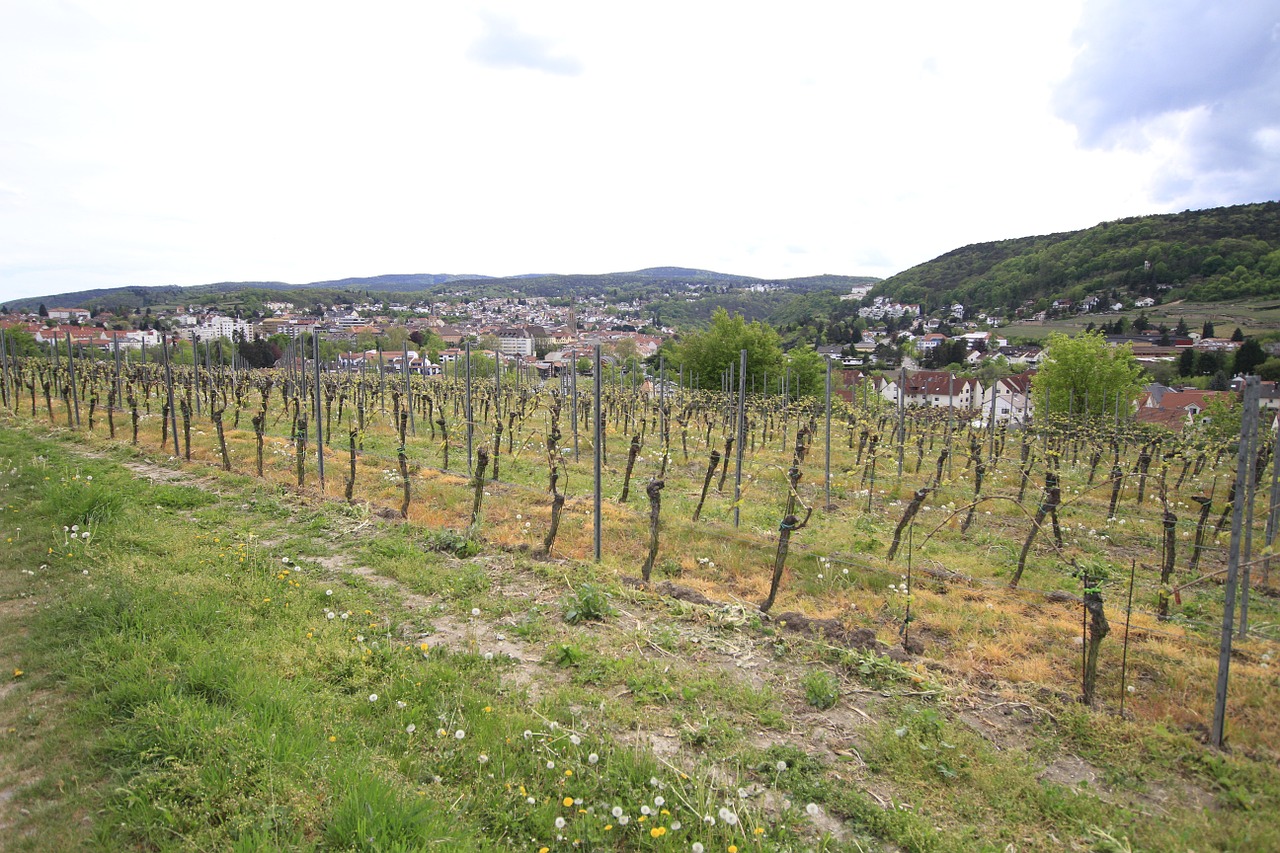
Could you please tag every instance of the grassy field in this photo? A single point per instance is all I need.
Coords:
(202, 660)
(1254, 317)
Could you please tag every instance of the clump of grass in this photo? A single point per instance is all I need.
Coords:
(458, 544)
(821, 690)
(587, 603)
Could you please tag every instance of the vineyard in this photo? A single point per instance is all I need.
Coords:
(1073, 558)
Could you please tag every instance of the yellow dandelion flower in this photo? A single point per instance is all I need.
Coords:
(657, 832)
(608, 826)
(568, 772)
(17, 673)
(733, 848)
(759, 830)
(488, 709)
(333, 738)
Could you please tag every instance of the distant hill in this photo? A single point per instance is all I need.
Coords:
(646, 284)
(1204, 255)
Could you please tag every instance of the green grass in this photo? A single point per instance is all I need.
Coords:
(189, 681)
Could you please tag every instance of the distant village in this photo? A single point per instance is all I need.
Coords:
(899, 357)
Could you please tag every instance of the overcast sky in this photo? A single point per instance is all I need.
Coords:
(148, 143)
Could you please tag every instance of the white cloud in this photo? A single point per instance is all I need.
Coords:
(156, 143)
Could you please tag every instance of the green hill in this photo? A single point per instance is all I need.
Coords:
(1204, 255)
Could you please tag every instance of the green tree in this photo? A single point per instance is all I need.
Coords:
(1249, 356)
(1085, 374)
(1237, 335)
(1206, 331)
(1219, 422)
(1187, 362)
(1269, 370)
(707, 354)
(808, 371)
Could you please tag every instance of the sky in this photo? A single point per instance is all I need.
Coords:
(148, 142)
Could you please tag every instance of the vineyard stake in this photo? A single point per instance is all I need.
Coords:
(1273, 511)
(741, 439)
(1124, 655)
(1247, 563)
(598, 431)
(195, 366)
(315, 348)
(827, 468)
(1243, 460)
(71, 368)
(470, 420)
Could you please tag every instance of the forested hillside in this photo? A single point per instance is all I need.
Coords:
(1204, 255)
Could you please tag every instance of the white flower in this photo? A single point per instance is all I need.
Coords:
(697, 847)
(616, 811)
(527, 734)
(645, 810)
(659, 802)
(812, 809)
(400, 703)
(530, 800)
(559, 823)
(781, 765)
(488, 655)
(592, 758)
(575, 740)
(373, 697)
(483, 759)
(329, 614)
(328, 592)
(459, 734)
(475, 611)
(411, 728)
(551, 765)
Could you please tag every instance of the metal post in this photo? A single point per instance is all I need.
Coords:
(115, 345)
(71, 367)
(470, 422)
(4, 360)
(195, 367)
(598, 431)
(1246, 563)
(1243, 461)
(741, 428)
(315, 350)
(827, 468)
(168, 381)
(573, 394)
(382, 382)
(408, 389)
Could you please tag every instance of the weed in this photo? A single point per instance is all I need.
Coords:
(588, 602)
(821, 689)
(459, 544)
